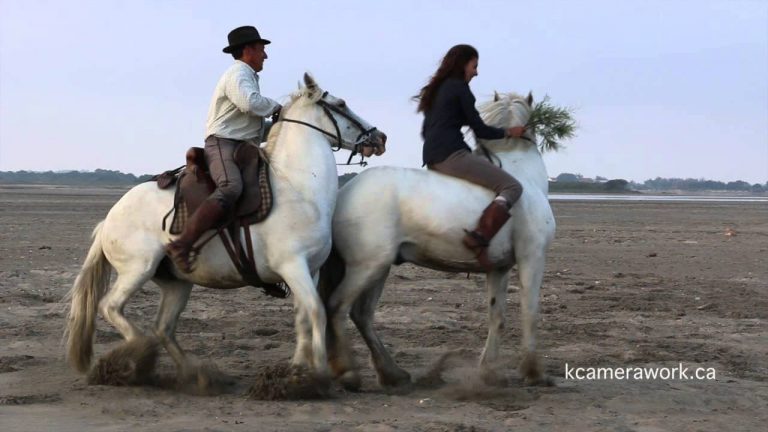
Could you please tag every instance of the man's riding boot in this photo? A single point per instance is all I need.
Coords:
(205, 217)
(493, 218)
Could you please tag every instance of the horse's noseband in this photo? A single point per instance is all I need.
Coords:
(362, 140)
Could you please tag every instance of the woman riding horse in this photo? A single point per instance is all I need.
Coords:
(448, 104)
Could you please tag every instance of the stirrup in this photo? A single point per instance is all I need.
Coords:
(479, 240)
(279, 290)
(480, 248)
(182, 257)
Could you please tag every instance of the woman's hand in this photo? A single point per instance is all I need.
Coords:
(515, 132)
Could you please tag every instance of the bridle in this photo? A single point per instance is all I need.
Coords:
(362, 140)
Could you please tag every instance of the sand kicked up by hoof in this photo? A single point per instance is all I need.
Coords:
(131, 363)
(287, 382)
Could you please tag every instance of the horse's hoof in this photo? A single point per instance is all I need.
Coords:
(323, 383)
(532, 372)
(398, 390)
(351, 381)
(492, 378)
(540, 381)
(396, 383)
(131, 363)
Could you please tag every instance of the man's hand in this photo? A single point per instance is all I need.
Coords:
(276, 114)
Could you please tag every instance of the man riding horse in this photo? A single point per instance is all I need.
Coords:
(236, 115)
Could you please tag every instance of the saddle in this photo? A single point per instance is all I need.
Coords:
(194, 185)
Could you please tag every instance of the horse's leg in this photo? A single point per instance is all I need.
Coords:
(357, 280)
(174, 296)
(111, 306)
(192, 375)
(296, 274)
(530, 272)
(303, 353)
(389, 373)
(340, 358)
(133, 361)
(496, 283)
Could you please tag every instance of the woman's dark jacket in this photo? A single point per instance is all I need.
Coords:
(453, 107)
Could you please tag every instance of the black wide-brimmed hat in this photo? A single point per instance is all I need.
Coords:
(241, 36)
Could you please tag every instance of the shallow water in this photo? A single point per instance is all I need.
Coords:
(656, 198)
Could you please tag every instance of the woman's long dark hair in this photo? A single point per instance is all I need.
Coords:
(452, 66)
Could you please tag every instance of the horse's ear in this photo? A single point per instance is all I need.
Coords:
(530, 98)
(309, 81)
(496, 96)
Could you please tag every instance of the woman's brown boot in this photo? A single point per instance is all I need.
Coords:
(493, 218)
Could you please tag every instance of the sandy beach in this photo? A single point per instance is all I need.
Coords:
(629, 285)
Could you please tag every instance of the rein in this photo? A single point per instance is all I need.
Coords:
(360, 141)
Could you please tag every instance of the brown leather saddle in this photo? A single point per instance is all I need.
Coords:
(194, 185)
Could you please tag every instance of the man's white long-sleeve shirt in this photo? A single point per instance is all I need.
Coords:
(238, 109)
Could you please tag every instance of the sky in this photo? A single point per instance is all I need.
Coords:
(669, 88)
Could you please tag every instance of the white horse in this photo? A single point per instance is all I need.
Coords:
(290, 245)
(391, 215)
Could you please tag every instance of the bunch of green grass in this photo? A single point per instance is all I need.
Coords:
(551, 124)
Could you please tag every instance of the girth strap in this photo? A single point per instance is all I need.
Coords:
(244, 260)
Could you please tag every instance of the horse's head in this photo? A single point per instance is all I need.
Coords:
(508, 110)
(333, 117)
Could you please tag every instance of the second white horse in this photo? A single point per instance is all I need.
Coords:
(389, 215)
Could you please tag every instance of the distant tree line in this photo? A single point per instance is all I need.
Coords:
(565, 182)
(74, 178)
(576, 182)
(99, 177)
(700, 184)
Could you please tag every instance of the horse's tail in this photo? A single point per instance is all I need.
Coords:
(89, 287)
(331, 274)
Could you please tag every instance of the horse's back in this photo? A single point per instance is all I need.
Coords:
(143, 204)
(386, 208)
(391, 210)
(409, 184)
(133, 226)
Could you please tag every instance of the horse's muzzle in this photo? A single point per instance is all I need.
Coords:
(375, 144)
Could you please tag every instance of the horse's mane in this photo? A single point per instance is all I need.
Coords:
(300, 97)
(504, 112)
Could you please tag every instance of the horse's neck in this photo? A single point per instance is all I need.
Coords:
(302, 157)
(525, 163)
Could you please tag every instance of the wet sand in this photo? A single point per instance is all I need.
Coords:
(628, 285)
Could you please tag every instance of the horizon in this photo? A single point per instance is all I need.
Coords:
(686, 100)
(552, 177)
